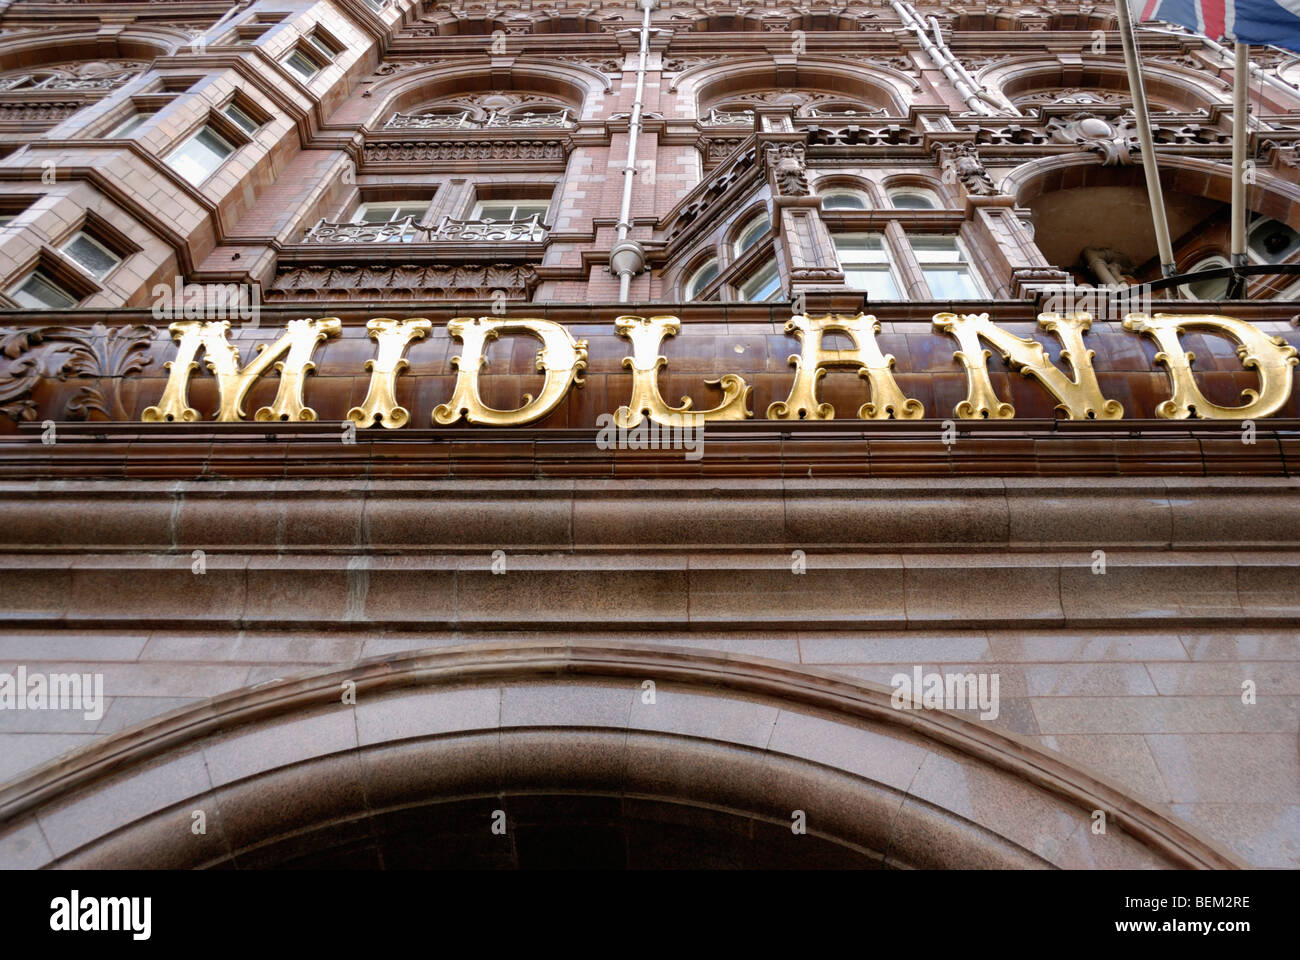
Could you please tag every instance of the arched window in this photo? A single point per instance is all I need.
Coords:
(1212, 289)
(762, 285)
(749, 234)
(701, 278)
(844, 198)
(913, 198)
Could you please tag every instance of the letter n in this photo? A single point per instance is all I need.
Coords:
(1078, 396)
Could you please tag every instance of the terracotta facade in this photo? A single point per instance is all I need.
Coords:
(496, 595)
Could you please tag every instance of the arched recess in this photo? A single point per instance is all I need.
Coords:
(51, 47)
(1168, 87)
(712, 83)
(563, 738)
(1084, 192)
(408, 91)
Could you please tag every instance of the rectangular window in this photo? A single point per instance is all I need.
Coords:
(866, 266)
(38, 290)
(241, 118)
(499, 210)
(763, 285)
(943, 263)
(199, 156)
(392, 213)
(323, 45)
(91, 255)
(302, 64)
(128, 126)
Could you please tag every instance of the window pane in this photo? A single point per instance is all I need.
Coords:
(764, 285)
(701, 279)
(300, 62)
(6, 219)
(130, 125)
(843, 201)
(200, 155)
(322, 46)
(241, 118)
(909, 200)
(937, 249)
(749, 236)
(89, 253)
(950, 283)
(876, 282)
(860, 248)
(40, 291)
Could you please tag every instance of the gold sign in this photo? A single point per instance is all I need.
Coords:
(563, 360)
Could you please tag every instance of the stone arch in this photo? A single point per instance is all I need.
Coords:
(406, 92)
(51, 47)
(1187, 182)
(829, 180)
(933, 184)
(1168, 86)
(288, 774)
(709, 83)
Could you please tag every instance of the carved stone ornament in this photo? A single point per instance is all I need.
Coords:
(810, 364)
(960, 163)
(381, 406)
(561, 360)
(290, 354)
(1115, 141)
(1270, 357)
(104, 354)
(466, 281)
(647, 334)
(789, 168)
(1078, 396)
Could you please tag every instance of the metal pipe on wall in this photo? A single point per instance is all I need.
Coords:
(627, 258)
(1240, 84)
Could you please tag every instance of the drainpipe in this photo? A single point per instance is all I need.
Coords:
(940, 56)
(627, 258)
(1000, 102)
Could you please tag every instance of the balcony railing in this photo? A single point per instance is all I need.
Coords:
(718, 118)
(395, 231)
(498, 231)
(463, 121)
(528, 229)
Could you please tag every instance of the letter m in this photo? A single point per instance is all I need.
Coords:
(295, 346)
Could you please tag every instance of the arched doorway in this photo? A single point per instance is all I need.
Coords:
(548, 754)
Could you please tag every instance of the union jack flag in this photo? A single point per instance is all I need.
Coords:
(1275, 22)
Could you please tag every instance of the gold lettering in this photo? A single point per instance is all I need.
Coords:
(381, 398)
(561, 360)
(296, 345)
(887, 401)
(1271, 357)
(647, 334)
(1079, 397)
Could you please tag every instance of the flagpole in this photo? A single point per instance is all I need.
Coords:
(1240, 75)
(1137, 88)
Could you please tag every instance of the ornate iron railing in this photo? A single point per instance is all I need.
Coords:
(494, 120)
(527, 229)
(718, 118)
(477, 231)
(395, 231)
(402, 121)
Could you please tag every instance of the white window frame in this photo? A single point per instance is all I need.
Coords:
(233, 111)
(128, 126)
(298, 51)
(90, 238)
(206, 128)
(883, 264)
(962, 259)
(933, 198)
